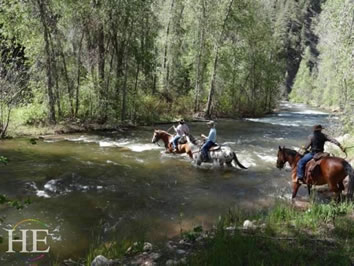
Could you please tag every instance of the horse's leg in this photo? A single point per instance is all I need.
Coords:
(221, 162)
(335, 189)
(340, 188)
(170, 148)
(296, 186)
(309, 189)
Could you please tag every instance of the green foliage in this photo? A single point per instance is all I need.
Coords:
(289, 238)
(112, 61)
(316, 216)
(14, 203)
(152, 109)
(193, 234)
(331, 84)
(4, 160)
(114, 250)
(303, 86)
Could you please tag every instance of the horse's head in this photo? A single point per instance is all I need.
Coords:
(281, 158)
(156, 137)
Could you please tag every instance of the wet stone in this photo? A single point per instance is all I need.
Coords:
(100, 261)
(147, 247)
(180, 251)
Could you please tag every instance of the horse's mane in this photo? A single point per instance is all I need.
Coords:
(162, 131)
(291, 152)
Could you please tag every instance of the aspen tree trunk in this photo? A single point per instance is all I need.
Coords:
(198, 79)
(46, 33)
(215, 65)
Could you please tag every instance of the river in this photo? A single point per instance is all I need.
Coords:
(121, 185)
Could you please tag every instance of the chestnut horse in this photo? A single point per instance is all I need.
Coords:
(167, 138)
(331, 171)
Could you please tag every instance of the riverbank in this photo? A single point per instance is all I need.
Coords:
(21, 130)
(315, 234)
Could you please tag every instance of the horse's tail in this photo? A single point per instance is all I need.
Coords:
(238, 162)
(192, 139)
(350, 172)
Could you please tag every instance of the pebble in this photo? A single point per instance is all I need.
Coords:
(183, 261)
(170, 245)
(230, 228)
(248, 225)
(180, 251)
(100, 261)
(200, 238)
(171, 262)
(147, 247)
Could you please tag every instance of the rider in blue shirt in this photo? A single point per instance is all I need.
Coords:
(210, 140)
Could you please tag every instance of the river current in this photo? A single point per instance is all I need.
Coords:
(121, 186)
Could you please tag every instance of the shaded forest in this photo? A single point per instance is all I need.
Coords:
(113, 61)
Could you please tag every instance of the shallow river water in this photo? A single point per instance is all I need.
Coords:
(123, 186)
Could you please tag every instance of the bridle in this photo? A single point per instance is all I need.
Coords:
(156, 138)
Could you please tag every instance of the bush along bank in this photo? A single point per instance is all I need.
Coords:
(321, 234)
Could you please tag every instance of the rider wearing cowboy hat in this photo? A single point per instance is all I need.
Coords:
(210, 139)
(181, 130)
(316, 143)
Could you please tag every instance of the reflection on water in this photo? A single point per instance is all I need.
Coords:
(125, 184)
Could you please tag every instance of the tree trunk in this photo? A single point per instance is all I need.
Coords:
(124, 92)
(4, 130)
(101, 73)
(77, 102)
(212, 85)
(166, 70)
(51, 100)
(198, 81)
(215, 65)
(67, 80)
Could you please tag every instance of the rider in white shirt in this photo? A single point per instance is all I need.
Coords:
(181, 130)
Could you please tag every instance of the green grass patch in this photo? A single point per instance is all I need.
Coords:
(320, 235)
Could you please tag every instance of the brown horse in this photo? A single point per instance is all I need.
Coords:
(167, 138)
(331, 171)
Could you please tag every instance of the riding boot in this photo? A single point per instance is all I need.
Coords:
(300, 180)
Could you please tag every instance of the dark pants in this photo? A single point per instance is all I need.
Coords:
(302, 164)
(207, 145)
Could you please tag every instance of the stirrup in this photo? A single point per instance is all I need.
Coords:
(300, 181)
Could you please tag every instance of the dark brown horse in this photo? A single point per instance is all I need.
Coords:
(167, 138)
(331, 171)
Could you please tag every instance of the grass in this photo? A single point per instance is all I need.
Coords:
(113, 249)
(284, 235)
(321, 235)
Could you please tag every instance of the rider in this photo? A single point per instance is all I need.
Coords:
(316, 142)
(210, 140)
(181, 130)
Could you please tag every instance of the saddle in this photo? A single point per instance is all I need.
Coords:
(215, 148)
(313, 167)
(182, 140)
(320, 155)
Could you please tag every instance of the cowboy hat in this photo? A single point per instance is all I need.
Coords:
(317, 128)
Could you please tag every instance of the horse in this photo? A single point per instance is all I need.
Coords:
(330, 170)
(221, 154)
(167, 139)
